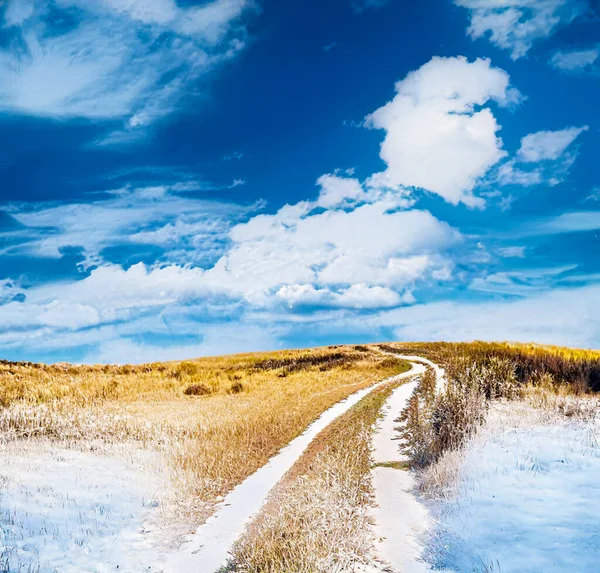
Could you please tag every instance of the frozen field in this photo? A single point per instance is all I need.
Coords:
(527, 499)
(66, 511)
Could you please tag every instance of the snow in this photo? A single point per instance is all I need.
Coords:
(399, 519)
(528, 498)
(208, 549)
(68, 511)
(385, 443)
(440, 373)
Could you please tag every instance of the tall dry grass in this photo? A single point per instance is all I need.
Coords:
(316, 520)
(435, 425)
(577, 368)
(216, 420)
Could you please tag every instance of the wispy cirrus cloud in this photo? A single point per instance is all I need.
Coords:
(129, 62)
(516, 25)
(543, 157)
(522, 282)
(570, 222)
(575, 61)
(180, 226)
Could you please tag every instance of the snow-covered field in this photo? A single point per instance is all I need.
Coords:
(68, 511)
(527, 499)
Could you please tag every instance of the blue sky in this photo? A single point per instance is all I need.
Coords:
(182, 178)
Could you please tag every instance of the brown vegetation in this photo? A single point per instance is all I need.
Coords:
(575, 367)
(316, 520)
(216, 420)
(481, 372)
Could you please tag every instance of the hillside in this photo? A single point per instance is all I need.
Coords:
(375, 458)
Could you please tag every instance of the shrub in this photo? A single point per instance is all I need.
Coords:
(236, 388)
(434, 424)
(417, 431)
(197, 390)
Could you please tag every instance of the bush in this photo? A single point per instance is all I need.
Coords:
(434, 424)
(236, 388)
(417, 431)
(197, 390)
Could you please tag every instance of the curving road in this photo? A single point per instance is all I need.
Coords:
(400, 520)
(207, 550)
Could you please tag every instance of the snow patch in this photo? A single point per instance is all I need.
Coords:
(400, 519)
(528, 497)
(68, 511)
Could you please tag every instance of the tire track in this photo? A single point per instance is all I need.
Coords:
(207, 550)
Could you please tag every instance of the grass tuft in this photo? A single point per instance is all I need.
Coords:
(197, 390)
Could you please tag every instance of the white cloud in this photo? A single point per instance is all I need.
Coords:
(573, 222)
(186, 228)
(574, 60)
(110, 293)
(547, 145)
(371, 243)
(564, 316)
(594, 195)
(366, 255)
(435, 139)
(513, 252)
(522, 282)
(515, 25)
(114, 60)
(358, 296)
(510, 174)
(543, 157)
(337, 191)
(17, 12)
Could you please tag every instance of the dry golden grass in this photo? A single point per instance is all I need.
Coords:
(317, 518)
(576, 367)
(217, 420)
(562, 351)
(546, 404)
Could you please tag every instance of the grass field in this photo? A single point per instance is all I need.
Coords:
(136, 457)
(215, 420)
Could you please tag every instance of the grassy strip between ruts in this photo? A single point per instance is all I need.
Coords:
(316, 519)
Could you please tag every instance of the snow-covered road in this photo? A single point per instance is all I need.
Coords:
(400, 520)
